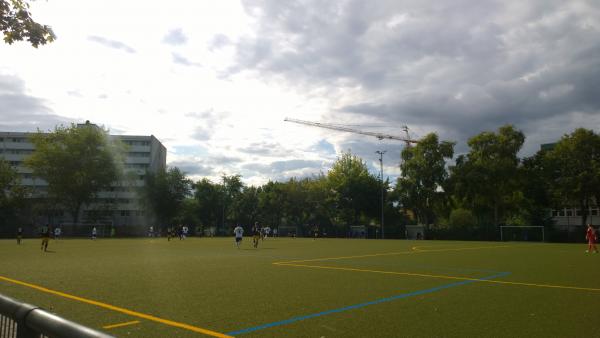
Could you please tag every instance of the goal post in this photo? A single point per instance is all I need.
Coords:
(522, 233)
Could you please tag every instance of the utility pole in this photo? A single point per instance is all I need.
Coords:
(380, 152)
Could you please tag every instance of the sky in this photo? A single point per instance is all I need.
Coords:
(214, 80)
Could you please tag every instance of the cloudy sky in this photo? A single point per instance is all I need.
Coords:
(213, 80)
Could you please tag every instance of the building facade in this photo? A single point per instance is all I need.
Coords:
(120, 207)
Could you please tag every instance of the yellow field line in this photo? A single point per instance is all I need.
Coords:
(118, 309)
(414, 251)
(441, 276)
(113, 326)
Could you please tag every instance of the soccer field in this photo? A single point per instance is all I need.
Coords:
(203, 287)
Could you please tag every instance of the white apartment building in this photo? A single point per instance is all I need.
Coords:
(119, 207)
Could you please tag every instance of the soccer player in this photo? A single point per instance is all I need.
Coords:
(590, 235)
(94, 233)
(239, 233)
(57, 232)
(19, 235)
(186, 230)
(255, 234)
(45, 237)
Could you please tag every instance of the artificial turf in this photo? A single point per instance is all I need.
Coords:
(394, 288)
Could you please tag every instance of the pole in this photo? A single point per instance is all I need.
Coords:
(382, 205)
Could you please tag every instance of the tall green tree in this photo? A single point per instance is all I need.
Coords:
(12, 193)
(270, 200)
(355, 191)
(164, 194)
(486, 180)
(16, 24)
(208, 196)
(78, 162)
(421, 184)
(575, 161)
(231, 190)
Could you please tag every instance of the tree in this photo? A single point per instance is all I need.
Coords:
(165, 192)
(209, 201)
(78, 162)
(355, 191)
(16, 24)
(575, 161)
(487, 179)
(230, 192)
(424, 175)
(12, 193)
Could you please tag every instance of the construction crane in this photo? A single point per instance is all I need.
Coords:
(379, 136)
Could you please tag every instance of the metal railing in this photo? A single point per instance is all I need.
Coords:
(21, 320)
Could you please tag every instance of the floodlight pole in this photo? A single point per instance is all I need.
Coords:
(380, 152)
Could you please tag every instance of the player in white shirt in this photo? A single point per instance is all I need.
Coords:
(239, 233)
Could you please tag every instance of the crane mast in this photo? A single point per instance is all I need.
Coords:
(379, 136)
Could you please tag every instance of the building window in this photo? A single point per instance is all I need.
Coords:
(124, 212)
(569, 212)
(594, 212)
(578, 212)
(139, 154)
(561, 212)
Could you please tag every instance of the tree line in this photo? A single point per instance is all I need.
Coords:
(475, 192)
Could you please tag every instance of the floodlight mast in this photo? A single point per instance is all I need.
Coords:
(379, 136)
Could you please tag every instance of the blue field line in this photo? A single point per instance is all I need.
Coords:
(356, 306)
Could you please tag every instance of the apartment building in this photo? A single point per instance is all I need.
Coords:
(119, 207)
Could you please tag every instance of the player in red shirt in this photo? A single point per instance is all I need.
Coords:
(590, 235)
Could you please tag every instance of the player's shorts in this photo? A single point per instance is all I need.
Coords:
(238, 239)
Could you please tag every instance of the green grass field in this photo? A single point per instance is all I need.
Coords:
(310, 288)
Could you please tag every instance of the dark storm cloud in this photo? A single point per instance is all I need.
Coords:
(454, 67)
(111, 43)
(175, 37)
(22, 112)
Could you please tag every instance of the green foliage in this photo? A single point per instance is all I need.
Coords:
(462, 218)
(209, 201)
(16, 24)
(421, 185)
(164, 194)
(354, 190)
(487, 179)
(12, 194)
(77, 162)
(575, 170)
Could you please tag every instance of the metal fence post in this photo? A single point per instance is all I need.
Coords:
(23, 331)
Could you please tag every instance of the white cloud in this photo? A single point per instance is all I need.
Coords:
(213, 80)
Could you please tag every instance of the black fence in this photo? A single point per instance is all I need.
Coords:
(20, 320)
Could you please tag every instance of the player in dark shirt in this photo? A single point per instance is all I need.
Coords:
(45, 237)
(255, 234)
(19, 235)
